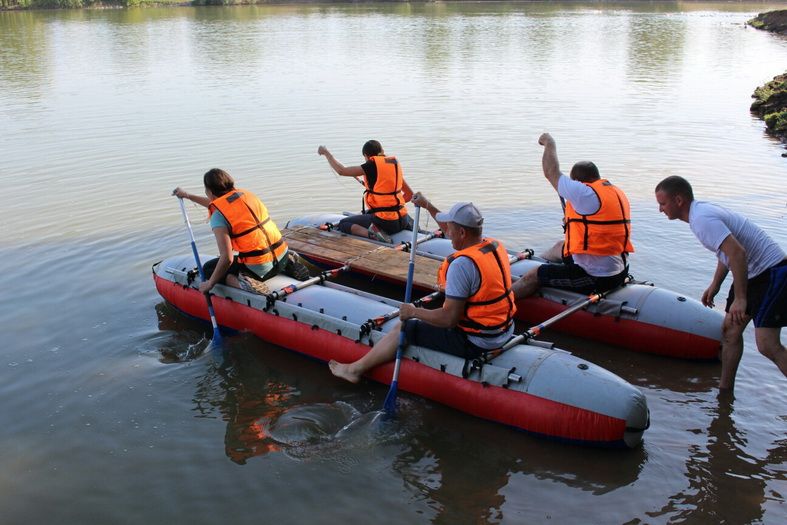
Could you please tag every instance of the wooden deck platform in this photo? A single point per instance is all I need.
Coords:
(336, 249)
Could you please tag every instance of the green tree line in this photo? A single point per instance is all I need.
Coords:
(71, 4)
(65, 4)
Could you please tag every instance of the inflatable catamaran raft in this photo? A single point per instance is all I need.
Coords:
(639, 316)
(531, 387)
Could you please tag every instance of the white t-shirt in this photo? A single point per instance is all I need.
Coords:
(462, 281)
(585, 202)
(711, 224)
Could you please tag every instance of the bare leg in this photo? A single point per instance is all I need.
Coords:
(526, 285)
(231, 280)
(731, 351)
(554, 254)
(382, 352)
(360, 231)
(769, 344)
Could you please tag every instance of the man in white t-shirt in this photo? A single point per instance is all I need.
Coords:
(759, 274)
(597, 222)
(478, 311)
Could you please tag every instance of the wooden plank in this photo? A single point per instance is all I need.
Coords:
(338, 249)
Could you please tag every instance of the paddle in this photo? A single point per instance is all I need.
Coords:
(216, 334)
(389, 405)
(292, 288)
(536, 330)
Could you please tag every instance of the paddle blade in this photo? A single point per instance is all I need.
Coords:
(217, 342)
(389, 405)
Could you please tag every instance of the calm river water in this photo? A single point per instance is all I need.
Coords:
(102, 113)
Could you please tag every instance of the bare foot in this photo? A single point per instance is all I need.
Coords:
(342, 370)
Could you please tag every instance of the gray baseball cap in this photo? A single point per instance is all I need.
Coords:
(463, 214)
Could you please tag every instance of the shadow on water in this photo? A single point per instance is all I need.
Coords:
(722, 471)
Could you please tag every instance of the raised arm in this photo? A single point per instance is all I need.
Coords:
(338, 167)
(549, 161)
(198, 199)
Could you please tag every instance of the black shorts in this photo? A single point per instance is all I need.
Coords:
(364, 220)
(570, 276)
(449, 340)
(766, 297)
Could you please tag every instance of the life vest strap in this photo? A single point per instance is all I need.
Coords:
(591, 221)
(257, 226)
(489, 301)
(498, 328)
(386, 208)
(383, 193)
(269, 249)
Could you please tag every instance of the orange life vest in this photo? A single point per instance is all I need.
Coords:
(252, 232)
(490, 311)
(606, 232)
(385, 199)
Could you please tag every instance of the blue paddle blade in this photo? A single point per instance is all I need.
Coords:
(217, 341)
(389, 405)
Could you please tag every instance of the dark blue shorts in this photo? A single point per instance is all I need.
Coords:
(570, 276)
(449, 340)
(364, 220)
(766, 297)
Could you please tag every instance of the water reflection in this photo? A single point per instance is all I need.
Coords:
(24, 61)
(724, 471)
(465, 475)
(655, 48)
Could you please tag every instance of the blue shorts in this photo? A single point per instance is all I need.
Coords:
(766, 297)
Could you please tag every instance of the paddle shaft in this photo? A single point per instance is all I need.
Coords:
(216, 333)
(381, 320)
(390, 399)
(292, 288)
(535, 330)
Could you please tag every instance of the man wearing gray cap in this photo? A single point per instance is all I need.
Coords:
(478, 311)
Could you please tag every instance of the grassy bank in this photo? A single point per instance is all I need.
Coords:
(770, 104)
(774, 21)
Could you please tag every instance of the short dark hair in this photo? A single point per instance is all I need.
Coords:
(372, 148)
(472, 231)
(218, 182)
(675, 185)
(585, 171)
